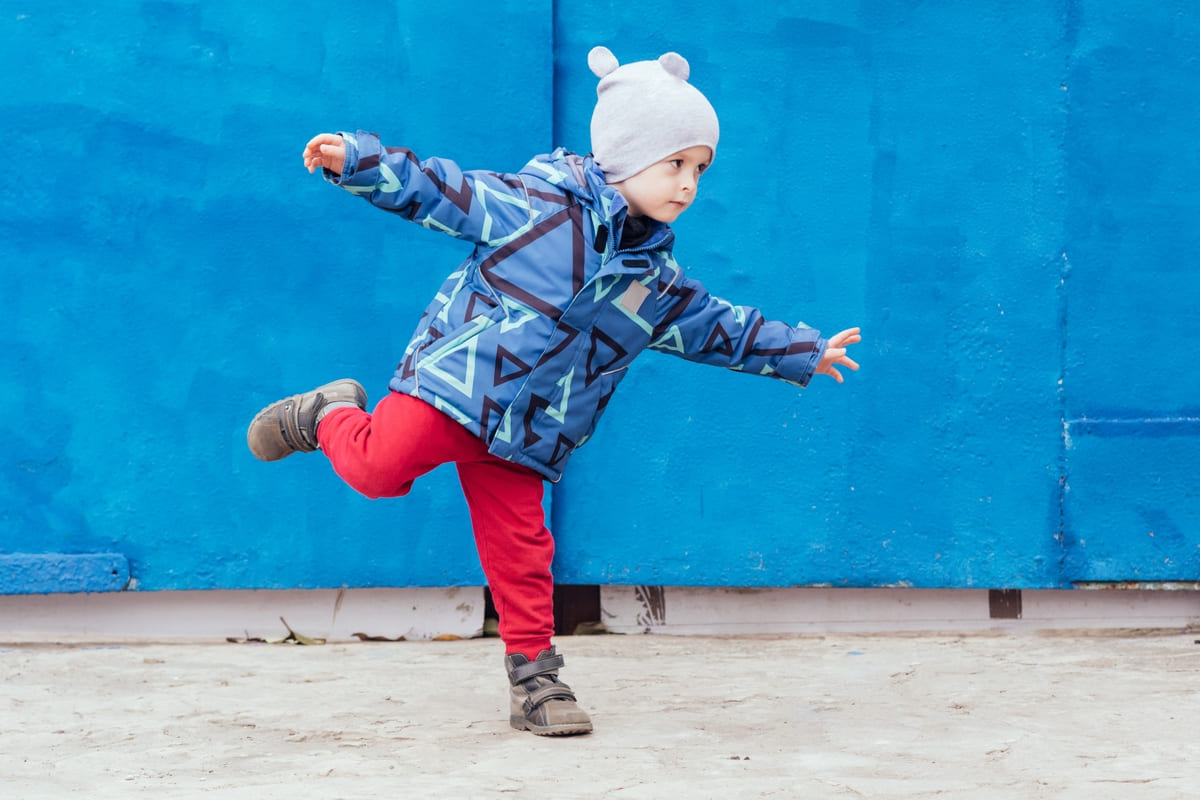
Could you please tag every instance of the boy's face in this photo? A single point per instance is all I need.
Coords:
(665, 189)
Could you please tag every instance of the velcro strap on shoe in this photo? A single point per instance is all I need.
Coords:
(524, 672)
(555, 691)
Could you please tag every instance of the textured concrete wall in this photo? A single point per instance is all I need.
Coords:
(1001, 194)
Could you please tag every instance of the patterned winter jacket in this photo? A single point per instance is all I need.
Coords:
(529, 337)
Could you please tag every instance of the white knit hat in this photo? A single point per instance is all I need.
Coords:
(645, 111)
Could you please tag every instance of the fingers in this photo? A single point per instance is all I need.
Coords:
(835, 354)
(315, 155)
(838, 361)
(848, 336)
(314, 144)
(833, 358)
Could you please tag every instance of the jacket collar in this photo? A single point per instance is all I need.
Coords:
(579, 176)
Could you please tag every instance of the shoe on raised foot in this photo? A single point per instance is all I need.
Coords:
(539, 701)
(290, 425)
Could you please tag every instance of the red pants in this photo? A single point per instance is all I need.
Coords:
(381, 454)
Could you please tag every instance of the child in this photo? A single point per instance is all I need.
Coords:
(514, 361)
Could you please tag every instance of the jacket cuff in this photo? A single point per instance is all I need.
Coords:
(349, 165)
(799, 370)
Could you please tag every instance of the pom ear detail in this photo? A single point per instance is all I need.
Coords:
(601, 61)
(676, 65)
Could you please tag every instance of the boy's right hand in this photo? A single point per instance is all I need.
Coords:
(325, 151)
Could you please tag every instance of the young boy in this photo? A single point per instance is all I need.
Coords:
(514, 361)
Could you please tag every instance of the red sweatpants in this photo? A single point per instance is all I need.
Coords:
(380, 454)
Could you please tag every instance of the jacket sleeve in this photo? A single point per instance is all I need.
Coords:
(478, 206)
(693, 324)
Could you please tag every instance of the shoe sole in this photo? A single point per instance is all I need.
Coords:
(565, 729)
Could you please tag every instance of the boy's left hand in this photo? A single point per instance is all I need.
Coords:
(835, 354)
(325, 151)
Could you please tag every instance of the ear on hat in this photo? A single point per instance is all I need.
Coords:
(676, 65)
(601, 61)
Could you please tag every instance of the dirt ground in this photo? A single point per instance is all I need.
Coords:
(980, 716)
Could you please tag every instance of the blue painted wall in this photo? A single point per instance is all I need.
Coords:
(1131, 393)
(1001, 194)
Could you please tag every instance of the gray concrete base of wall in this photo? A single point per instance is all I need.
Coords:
(430, 613)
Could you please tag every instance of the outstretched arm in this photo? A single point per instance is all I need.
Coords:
(691, 323)
(434, 193)
(835, 354)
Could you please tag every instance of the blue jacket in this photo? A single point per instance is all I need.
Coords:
(529, 337)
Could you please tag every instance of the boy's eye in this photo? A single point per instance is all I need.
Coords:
(676, 162)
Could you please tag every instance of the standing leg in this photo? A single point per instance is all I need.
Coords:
(516, 550)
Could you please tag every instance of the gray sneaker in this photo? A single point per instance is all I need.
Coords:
(539, 702)
(290, 425)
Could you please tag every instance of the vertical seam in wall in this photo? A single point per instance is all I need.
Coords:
(555, 131)
(1064, 442)
(1071, 23)
(551, 503)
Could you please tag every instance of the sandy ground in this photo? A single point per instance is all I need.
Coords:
(982, 716)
